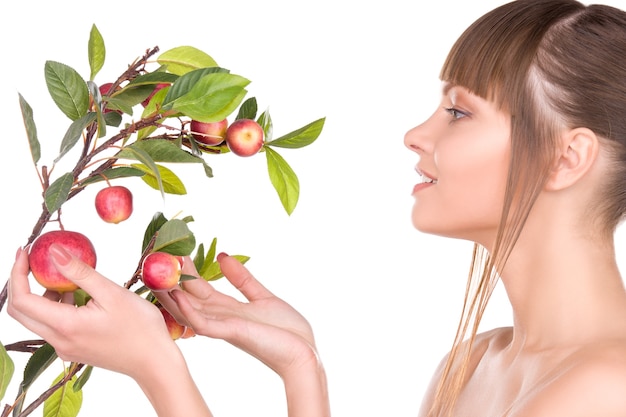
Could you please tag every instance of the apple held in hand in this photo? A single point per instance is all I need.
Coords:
(174, 328)
(114, 204)
(244, 137)
(160, 271)
(42, 267)
(209, 133)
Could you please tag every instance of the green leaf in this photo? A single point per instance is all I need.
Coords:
(186, 82)
(81, 297)
(300, 137)
(68, 89)
(213, 97)
(212, 271)
(248, 109)
(74, 133)
(283, 179)
(151, 79)
(57, 192)
(265, 120)
(31, 129)
(64, 402)
(83, 378)
(96, 51)
(37, 364)
(7, 367)
(144, 157)
(175, 237)
(160, 150)
(127, 97)
(182, 59)
(198, 260)
(113, 173)
(171, 183)
(153, 227)
(113, 118)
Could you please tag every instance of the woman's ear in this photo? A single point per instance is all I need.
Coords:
(578, 151)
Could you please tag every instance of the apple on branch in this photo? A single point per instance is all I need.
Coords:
(160, 271)
(114, 204)
(209, 133)
(244, 137)
(41, 264)
(174, 328)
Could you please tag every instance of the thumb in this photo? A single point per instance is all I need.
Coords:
(77, 271)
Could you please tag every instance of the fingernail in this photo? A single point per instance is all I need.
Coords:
(221, 255)
(59, 254)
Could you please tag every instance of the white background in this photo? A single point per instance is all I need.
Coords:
(383, 299)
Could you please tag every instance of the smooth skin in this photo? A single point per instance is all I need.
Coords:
(566, 352)
(89, 334)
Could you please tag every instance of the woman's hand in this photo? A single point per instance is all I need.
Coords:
(114, 321)
(266, 327)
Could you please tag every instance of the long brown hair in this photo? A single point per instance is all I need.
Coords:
(549, 64)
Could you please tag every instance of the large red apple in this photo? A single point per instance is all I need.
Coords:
(41, 264)
(244, 137)
(209, 133)
(114, 204)
(160, 271)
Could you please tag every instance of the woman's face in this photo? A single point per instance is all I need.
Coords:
(463, 153)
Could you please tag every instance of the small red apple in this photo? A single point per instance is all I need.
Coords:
(189, 332)
(209, 133)
(114, 204)
(156, 88)
(160, 271)
(244, 137)
(41, 264)
(174, 328)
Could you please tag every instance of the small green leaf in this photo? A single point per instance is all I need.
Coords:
(68, 89)
(283, 179)
(37, 364)
(112, 173)
(171, 183)
(186, 82)
(83, 378)
(64, 402)
(74, 133)
(160, 150)
(175, 237)
(212, 271)
(182, 59)
(96, 51)
(265, 121)
(81, 297)
(142, 156)
(57, 192)
(300, 137)
(153, 78)
(153, 227)
(213, 97)
(31, 129)
(247, 110)
(198, 260)
(7, 367)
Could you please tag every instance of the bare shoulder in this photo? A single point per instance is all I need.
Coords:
(591, 381)
(482, 342)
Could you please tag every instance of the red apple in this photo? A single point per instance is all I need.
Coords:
(244, 137)
(174, 328)
(114, 204)
(209, 133)
(105, 90)
(160, 271)
(41, 264)
(156, 88)
(189, 332)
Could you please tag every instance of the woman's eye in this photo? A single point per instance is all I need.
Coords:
(455, 113)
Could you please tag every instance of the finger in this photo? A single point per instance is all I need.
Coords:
(166, 300)
(242, 279)
(102, 290)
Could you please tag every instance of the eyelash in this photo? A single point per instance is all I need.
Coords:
(455, 113)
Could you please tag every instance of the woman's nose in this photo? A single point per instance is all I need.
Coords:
(418, 139)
